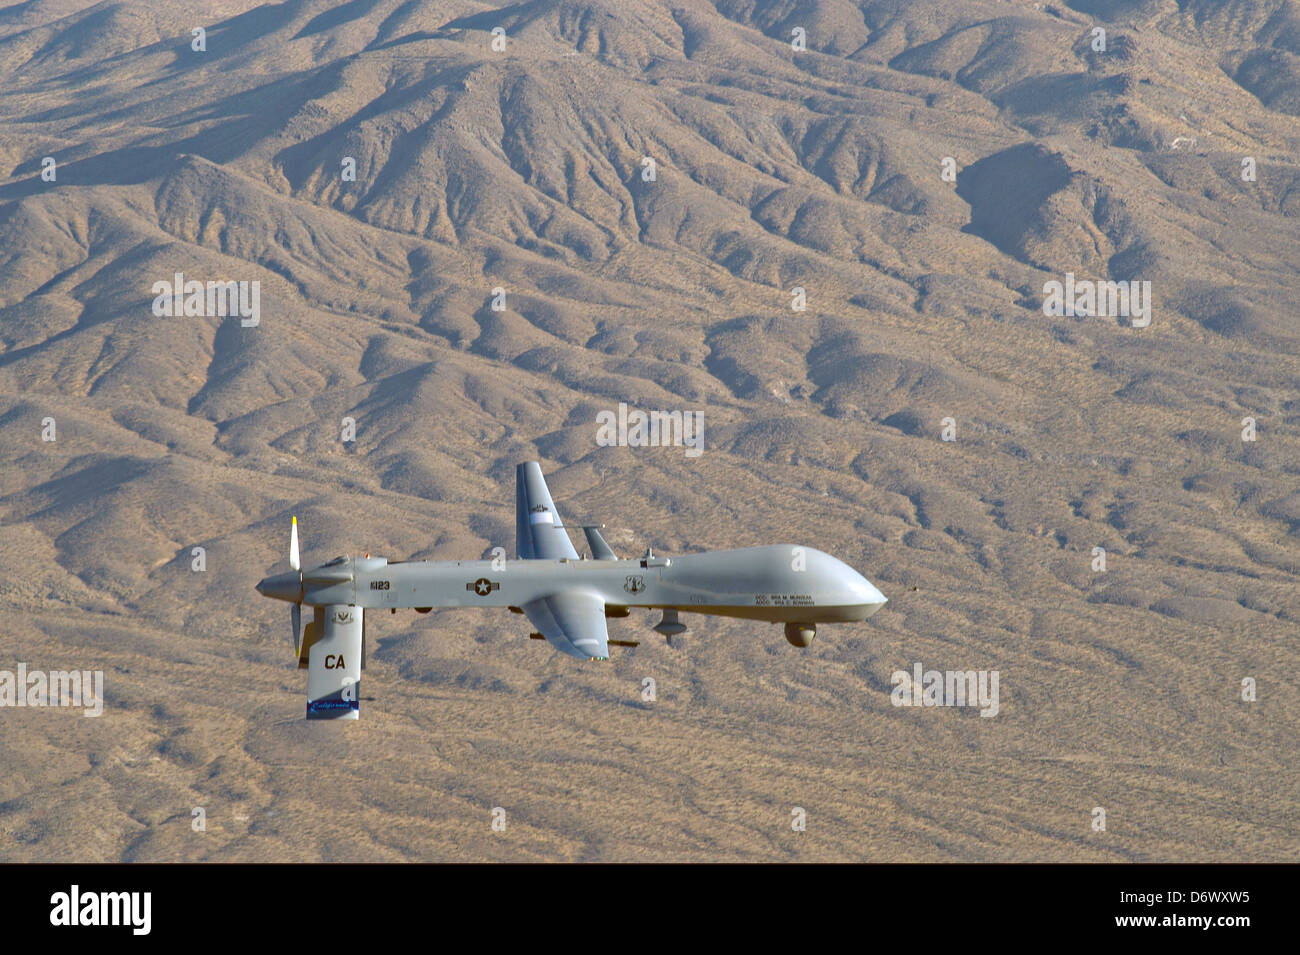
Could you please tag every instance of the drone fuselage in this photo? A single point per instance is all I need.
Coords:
(565, 597)
(780, 583)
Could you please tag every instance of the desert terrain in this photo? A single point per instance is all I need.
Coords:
(504, 265)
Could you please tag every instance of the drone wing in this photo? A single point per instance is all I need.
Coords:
(572, 622)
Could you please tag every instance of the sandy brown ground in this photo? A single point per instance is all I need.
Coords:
(775, 169)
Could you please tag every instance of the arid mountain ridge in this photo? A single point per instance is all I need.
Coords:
(522, 170)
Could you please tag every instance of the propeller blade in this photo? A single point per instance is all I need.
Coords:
(296, 615)
(294, 561)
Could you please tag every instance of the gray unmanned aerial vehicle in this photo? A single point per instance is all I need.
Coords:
(566, 598)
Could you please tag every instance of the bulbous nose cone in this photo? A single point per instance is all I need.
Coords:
(866, 593)
(854, 590)
(874, 598)
(286, 586)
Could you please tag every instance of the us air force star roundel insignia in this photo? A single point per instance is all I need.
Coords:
(483, 586)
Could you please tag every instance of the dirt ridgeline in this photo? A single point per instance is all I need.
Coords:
(506, 265)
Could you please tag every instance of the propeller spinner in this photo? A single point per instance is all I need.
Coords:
(288, 586)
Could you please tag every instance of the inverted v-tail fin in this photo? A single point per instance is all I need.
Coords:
(599, 549)
(539, 533)
(332, 653)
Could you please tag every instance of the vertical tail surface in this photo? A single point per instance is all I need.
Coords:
(539, 534)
